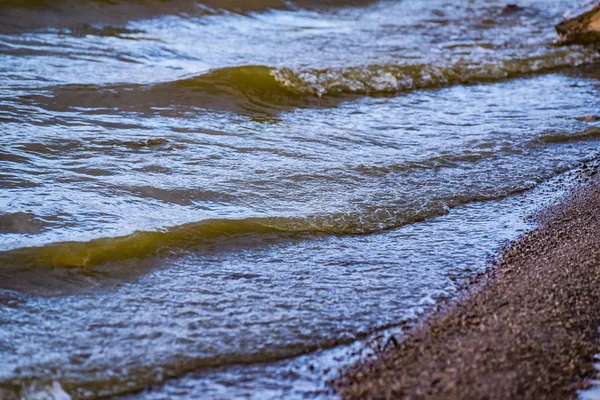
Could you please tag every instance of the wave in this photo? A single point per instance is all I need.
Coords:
(192, 236)
(591, 133)
(283, 86)
(383, 79)
(35, 14)
(135, 379)
(271, 84)
(263, 89)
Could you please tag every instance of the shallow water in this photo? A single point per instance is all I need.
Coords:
(473, 233)
(593, 392)
(192, 189)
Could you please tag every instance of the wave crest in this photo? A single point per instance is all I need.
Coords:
(192, 236)
(382, 79)
(590, 133)
(263, 89)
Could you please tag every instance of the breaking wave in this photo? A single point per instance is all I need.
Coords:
(591, 133)
(191, 236)
(256, 88)
(382, 79)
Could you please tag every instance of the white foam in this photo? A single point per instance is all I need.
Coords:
(43, 391)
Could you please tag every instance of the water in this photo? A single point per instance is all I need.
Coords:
(593, 392)
(209, 195)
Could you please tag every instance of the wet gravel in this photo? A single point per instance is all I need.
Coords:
(526, 329)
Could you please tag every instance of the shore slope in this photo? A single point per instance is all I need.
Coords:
(527, 329)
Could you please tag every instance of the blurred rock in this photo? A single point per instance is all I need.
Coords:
(581, 26)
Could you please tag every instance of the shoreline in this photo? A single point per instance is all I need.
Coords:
(526, 328)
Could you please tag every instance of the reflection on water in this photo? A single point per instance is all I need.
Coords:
(207, 191)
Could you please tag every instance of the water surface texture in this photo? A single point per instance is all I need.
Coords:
(193, 195)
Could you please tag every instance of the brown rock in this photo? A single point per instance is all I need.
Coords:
(581, 26)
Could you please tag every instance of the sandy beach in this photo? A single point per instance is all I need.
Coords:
(526, 329)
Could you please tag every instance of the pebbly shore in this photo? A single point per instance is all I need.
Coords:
(526, 329)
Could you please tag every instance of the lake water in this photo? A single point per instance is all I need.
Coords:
(199, 198)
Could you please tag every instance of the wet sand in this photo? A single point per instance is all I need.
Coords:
(526, 329)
